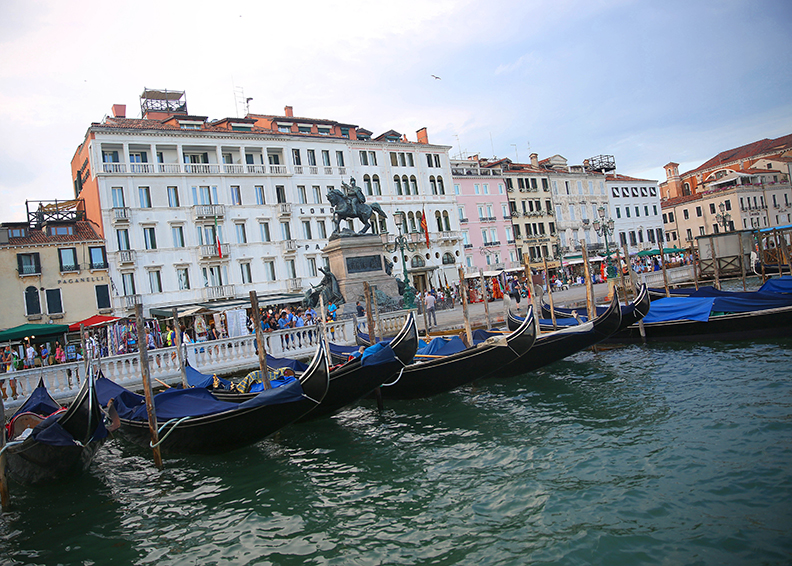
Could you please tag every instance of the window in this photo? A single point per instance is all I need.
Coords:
(17, 232)
(477, 188)
(102, 296)
(394, 159)
(364, 158)
(376, 182)
(301, 194)
(260, 198)
(728, 203)
(433, 185)
(145, 197)
(311, 157)
(317, 194)
(236, 195)
(698, 211)
(670, 216)
(280, 193)
(311, 267)
(28, 264)
(265, 231)
(637, 211)
(689, 234)
(627, 211)
(54, 302)
(60, 230)
(402, 160)
(654, 209)
(183, 276)
(98, 257)
(173, 197)
(241, 233)
(429, 160)
(372, 158)
(325, 158)
(340, 158)
(324, 130)
(155, 281)
(686, 214)
(128, 282)
(296, 157)
(123, 239)
(414, 185)
(437, 160)
(306, 224)
(322, 229)
(32, 301)
(397, 184)
(285, 231)
(246, 275)
(269, 270)
(441, 187)
(702, 231)
(646, 210)
(68, 259)
(291, 273)
(150, 238)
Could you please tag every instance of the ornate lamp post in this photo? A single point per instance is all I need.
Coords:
(604, 228)
(401, 243)
(723, 218)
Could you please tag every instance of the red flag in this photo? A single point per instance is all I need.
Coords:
(217, 240)
(424, 227)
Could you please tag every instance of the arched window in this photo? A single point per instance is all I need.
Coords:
(417, 261)
(448, 259)
(439, 221)
(367, 184)
(375, 181)
(686, 189)
(418, 217)
(440, 186)
(406, 185)
(446, 221)
(411, 220)
(414, 185)
(433, 184)
(397, 184)
(32, 301)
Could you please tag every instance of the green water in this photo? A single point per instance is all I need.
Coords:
(638, 455)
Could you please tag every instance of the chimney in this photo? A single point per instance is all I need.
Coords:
(534, 160)
(423, 136)
(288, 111)
(119, 110)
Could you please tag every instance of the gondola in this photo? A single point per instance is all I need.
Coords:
(48, 443)
(192, 421)
(441, 373)
(557, 345)
(631, 313)
(356, 378)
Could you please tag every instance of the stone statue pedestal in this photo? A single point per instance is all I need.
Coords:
(358, 259)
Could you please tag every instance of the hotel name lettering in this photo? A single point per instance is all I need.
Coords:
(364, 263)
(81, 280)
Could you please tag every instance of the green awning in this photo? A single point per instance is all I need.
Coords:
(645, 253)
(35, 330)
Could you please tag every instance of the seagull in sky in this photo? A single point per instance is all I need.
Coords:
(436, 77)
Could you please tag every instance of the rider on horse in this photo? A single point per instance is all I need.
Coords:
(355, 195)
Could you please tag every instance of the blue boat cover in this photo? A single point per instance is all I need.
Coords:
(560, 321)
(197, 379)
(480, 335)
(195, 402)
(778, 285)
(443, 347)
(39, 402)
(680, 308)
(345, 351)
(376, 354)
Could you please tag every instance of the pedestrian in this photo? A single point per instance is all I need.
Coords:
(30, 356)
(429, 301)
(360, 310)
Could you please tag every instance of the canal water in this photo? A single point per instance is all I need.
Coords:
(668, 454)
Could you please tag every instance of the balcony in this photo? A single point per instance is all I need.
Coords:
(121, 214)
(313, 170)
(131, 300)
(468, 246)
(113, 167)
(450, 236)
(209, 251)
(491, 244)
(585, 221)
(202, 168)
(294, 285)
(278, 170)
(30, 270)
(515, 214)
(284, 209)
(288, 246)
(198, 169)
(70, 268)
(328, 170)
(342, 170)
(126, 256)
(169, 168)
(217, 292)
(99, 265)
(463, 220)
(298, 169)
(256, 169)
(203, 211)
(233, 169)
(141, 168)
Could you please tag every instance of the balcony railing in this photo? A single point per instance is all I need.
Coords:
(492, 244)
(121, 214)
(126, 256)
(141, 168)
(468, 246)
(70, 268)
(208, 211)
(342, 170)
(450, 236)
(114, 167)
(202, 168)
(256, 169)
(298, 169)
(233, 169)
(99, 265)
(196, 168)
(278, 170)
(288, 246)
(294, 284)
(131, 300)
(284, 208)
(216, 292)
(30, 270)
(210, 250)
(313, 170)
(463, 220)
(328, 170)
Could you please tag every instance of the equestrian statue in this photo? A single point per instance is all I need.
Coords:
(351, 203)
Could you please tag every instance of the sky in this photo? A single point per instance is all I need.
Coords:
(647, 82)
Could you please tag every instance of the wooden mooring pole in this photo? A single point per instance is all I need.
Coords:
(146, 375)
(262, 349)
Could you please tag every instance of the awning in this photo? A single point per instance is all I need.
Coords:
(486, 274)
(187, 310)
(94, 320)
(645, 253)
(231, 304)
(33, 331)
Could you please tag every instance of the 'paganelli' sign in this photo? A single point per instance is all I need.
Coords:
(364, 263)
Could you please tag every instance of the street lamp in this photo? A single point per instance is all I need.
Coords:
(724, 218)
(401, 243)
(604, 228)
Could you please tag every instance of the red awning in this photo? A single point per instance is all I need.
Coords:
(95, 320)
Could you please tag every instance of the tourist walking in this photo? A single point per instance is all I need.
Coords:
(429, 301)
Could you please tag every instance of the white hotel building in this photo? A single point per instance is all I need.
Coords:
(163, 189)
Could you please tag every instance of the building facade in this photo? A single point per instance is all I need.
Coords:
(485, 217)
(197, 210)
(59, 272)
(636, 210)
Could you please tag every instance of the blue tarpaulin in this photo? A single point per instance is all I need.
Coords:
(379, 353)
(443, 347)
(779, 285)
(680, 308)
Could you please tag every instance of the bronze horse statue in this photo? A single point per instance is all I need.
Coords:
(342, 210)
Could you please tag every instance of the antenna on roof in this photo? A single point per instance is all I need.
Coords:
(240, 100)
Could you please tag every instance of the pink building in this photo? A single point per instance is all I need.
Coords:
(484, 217)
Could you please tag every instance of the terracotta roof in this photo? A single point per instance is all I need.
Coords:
(680, 200)
(747, 151)
(83, 232)
(617, 177)
(143, 124)
(297, 119)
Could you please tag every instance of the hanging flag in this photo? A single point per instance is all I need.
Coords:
(217, 239)
(424, 226)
